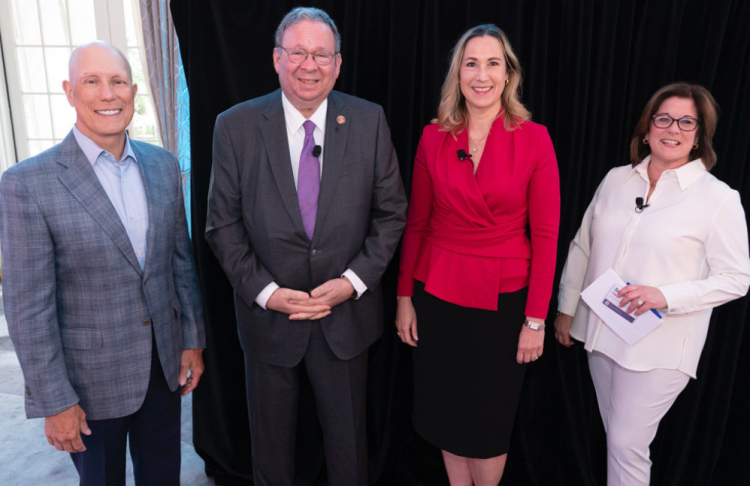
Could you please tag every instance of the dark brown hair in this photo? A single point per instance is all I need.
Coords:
(708, 114)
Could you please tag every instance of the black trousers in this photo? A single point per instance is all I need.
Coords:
(339, 388)
(154, 432)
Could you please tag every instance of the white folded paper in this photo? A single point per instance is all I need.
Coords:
(601, 297)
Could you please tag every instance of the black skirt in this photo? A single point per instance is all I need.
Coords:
(467, 381)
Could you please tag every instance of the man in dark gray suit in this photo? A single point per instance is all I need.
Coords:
(306, 209)
(99, 284)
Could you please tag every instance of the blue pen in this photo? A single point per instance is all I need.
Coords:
(652, 310)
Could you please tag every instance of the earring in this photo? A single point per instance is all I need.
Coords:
(506, 81)
(695, 147)
(645, 141)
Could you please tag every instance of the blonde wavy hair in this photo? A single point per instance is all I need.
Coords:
(452, 112)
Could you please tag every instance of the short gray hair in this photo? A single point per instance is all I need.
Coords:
(307, 13)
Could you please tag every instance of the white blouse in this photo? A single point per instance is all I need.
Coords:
(690, 242)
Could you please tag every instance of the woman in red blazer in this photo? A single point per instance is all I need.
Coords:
(478, 258)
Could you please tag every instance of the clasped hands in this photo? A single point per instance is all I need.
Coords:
(317, 304)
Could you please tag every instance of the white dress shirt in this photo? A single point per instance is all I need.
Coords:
(690, 242)
(295, 132)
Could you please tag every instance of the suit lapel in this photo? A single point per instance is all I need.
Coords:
(333, 158)
(81, 181)
(276, 142)
(154, 202)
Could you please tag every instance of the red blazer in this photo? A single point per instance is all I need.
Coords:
(469, 237)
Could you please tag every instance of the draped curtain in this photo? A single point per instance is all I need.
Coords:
(168, 85)
(589, 67)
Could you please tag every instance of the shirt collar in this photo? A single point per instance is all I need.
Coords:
(294, 118)
(686, 174)
(92, 151)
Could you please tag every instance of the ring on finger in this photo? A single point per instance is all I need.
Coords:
(640, 302)
(534, 357)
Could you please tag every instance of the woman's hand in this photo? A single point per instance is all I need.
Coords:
(530, 345)
(406, 321)
(562, 329)
(641, 297)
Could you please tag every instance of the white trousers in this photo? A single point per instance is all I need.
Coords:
(632, 404)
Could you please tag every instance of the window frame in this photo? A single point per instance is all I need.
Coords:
(8, 155)
(109, 18)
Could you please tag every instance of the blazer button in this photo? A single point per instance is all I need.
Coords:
(28, 391)
(147, 322)
(314, 252)
(145, 282)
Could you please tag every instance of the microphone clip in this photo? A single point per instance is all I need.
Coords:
(639, 206)
(462, 155)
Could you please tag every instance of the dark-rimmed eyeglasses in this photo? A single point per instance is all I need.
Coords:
(298, 56)
(686, 123)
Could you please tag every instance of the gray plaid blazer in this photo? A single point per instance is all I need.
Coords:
(80, 310)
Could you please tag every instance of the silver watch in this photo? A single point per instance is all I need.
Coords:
(534, 325)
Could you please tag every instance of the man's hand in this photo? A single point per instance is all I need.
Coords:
(64, 429)
(192, 361)
(297, 304)
(329, 294)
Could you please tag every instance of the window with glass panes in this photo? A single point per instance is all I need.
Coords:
(38, 37)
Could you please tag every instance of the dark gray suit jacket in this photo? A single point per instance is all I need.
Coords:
(255, 228)
(80, 310)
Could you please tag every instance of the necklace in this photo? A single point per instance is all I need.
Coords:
(477, 142)
(651, 181)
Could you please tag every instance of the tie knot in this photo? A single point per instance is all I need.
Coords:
(309, 127)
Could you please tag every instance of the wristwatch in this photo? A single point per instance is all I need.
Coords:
(534, 325)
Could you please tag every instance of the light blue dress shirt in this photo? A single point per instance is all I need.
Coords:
(123, 184)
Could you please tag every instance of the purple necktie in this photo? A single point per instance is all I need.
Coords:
(308, 181)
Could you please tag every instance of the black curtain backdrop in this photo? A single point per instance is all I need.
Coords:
(590, 66)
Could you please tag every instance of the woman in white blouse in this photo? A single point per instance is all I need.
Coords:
(684, 248)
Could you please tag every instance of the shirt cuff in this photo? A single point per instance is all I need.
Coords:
(678, 300)
(357, 283)
(265, 294)
(567, 301)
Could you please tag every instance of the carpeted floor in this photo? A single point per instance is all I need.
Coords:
(25, 457)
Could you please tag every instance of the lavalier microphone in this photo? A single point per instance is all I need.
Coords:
(462, 154)
(639, 206)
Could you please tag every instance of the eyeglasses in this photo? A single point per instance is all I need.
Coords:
(298, 56)
(686, 123)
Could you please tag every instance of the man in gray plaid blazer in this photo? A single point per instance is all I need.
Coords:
(99, 284)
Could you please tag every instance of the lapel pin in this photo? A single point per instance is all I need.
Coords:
(340, 119)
